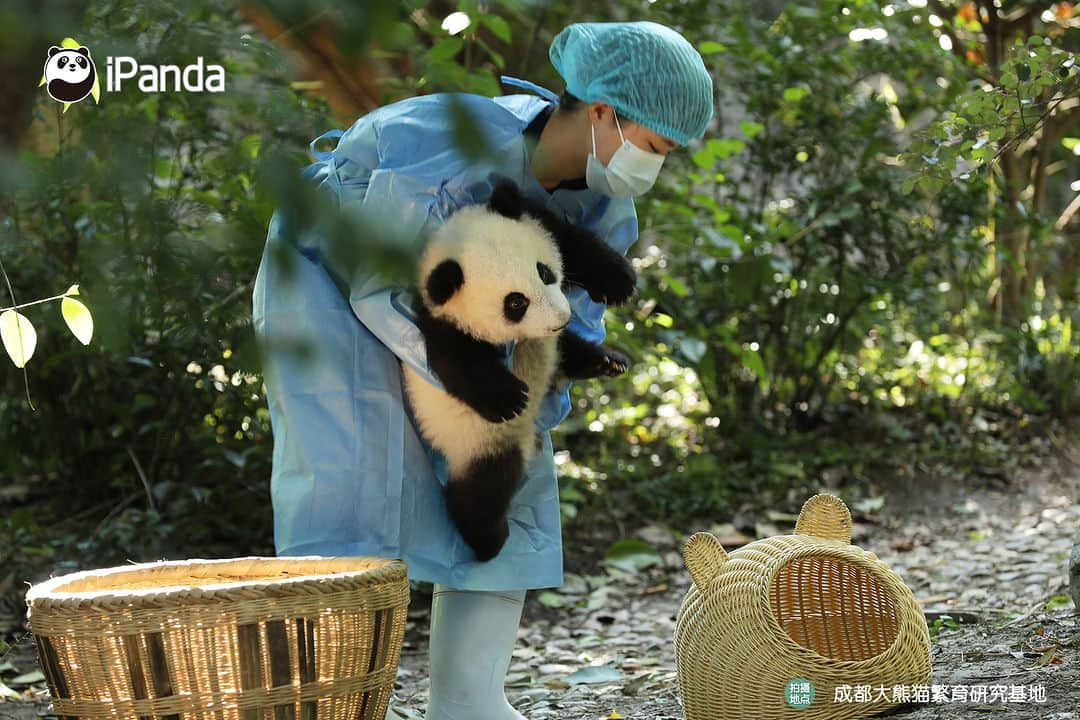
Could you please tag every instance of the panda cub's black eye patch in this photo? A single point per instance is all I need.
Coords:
(514, 306)
(81, 61)
(546, 276)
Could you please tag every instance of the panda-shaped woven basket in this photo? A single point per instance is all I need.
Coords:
(807, 606)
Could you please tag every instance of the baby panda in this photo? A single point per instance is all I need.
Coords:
(493, 273)
(69, 73)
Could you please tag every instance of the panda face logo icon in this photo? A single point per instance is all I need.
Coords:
(69, 73)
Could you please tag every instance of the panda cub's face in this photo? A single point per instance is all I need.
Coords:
(497, 278)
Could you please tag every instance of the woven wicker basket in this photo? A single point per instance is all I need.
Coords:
(803, 606)
(305, 637)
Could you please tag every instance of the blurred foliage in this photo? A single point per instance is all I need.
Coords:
(806, 321)
(155, 437)
(802, 321)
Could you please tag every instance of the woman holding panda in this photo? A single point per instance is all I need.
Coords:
(351, 475)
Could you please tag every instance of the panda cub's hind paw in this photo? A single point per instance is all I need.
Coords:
(488, 542)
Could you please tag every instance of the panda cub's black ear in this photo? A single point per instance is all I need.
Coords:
(53, 50)
(83, 51)
(444, 281)
(506, 200)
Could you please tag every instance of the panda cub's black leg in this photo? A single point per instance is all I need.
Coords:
(478, 500)
(579, 358)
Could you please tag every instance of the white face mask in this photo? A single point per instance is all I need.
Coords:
(630, 172)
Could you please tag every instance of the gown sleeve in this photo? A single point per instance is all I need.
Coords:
(353, 175)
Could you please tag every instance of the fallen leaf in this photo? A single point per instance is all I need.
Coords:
(631, 555)
(634, 686)
(551, 599)
(521, 680)
(28, 678)
(1045, 658)
(902, 544)
(594, 674)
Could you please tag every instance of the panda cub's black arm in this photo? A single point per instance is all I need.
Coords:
(470, 369)
(580, 359)
(588, 261)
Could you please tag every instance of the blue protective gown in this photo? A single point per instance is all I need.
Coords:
(350, 473)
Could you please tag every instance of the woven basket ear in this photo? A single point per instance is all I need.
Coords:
(704, 555)
(825, 516)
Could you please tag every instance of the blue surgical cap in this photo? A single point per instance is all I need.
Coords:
(646, 71)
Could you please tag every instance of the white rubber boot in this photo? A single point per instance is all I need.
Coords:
(472, 637)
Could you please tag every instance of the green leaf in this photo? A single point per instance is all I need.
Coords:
(750, 128)
(704, 158)
(794, 94)
(725, 148)
(497, 25)
(594, 674)
(78, 319)
(792, 470)
(752, 360)
(18, 335)
(496, 57)
(552, 599)
(444, 50)
(632, 555)
(676, 285)
(1058, 602)
(250, 145)
(27, 678)
(662, 320)
(931, 184)
(473, 145)
(711, 47)
(908, 184)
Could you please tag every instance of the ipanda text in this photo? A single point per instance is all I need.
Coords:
(197, 77)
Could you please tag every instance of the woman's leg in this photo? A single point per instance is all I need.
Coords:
(473, 634)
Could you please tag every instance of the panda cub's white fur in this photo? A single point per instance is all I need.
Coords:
(498, 256)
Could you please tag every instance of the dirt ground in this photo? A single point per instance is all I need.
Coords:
(993, 559)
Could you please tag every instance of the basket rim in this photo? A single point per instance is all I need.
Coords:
(50, 591)
(846, 551)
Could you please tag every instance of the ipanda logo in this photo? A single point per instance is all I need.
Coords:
(70, 75)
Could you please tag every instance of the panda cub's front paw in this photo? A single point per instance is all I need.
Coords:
(500, 398)
(616, 285)
(613, 362)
